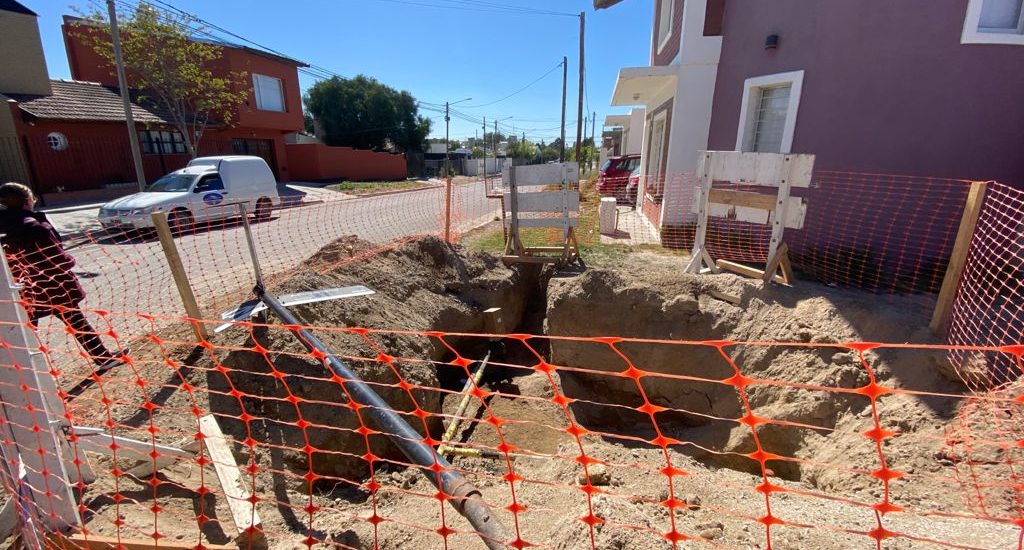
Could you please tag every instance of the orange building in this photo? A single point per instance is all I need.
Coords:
(272, 109)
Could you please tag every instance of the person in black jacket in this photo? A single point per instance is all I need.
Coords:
(40, 264)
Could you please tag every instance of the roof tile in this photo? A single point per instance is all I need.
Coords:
(76, 100)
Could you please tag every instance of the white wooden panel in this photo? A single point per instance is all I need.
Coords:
(738, 213)
(544, 201)
(544, 222)
(543, 174)
(768, 169)
(234, 487)
(801, 168)
(796, 211)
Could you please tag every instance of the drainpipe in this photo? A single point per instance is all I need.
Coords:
(465, 497)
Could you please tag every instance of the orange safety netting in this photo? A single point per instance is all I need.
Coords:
(883, 233)
(582, 453)
(317, 471)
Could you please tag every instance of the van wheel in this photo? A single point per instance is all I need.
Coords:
(181, 222)
(263, 209)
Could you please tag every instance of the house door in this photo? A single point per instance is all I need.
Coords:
(263, 148)
(655, 159)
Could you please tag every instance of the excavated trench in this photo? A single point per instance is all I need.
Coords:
(429, 286)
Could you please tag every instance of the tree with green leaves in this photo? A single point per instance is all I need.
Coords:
(170, 68)
(362, 113)
(478, 152)
(521, 149)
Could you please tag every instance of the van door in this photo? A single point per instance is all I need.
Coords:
(208, 198)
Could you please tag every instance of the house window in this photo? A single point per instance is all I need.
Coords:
(656, 156)
(157, 142)
(664, 22)
(768, 113)
(57, 141)
(994, 22)
(269, 93)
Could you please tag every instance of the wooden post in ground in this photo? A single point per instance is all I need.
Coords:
(188, 298)
(958, 259)
(448, 208)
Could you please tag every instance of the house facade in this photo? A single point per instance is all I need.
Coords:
(272, 110)
(69, 137)
(912, 87)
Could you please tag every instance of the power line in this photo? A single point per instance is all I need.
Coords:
(480, 6)
(314, 69)
(520, 90)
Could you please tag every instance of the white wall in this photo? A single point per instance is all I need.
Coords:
(473, 167)
(634, 142)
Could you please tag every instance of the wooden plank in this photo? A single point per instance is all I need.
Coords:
(745, 270)
(771, 270)
(718, 295)
(787, 270)
(742, 198)
(243, 512)
(546, 201)
(958, 260)
(796, 209)
(544, 174)
(99, 542)
(546, 222)
(767, 169)
(188, 297)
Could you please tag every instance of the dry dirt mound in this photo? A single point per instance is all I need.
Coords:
(423, 285)
(817, 425)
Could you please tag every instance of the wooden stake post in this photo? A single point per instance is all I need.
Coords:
(958, 259)
(780, 211)
(188, 298)
(563, 202)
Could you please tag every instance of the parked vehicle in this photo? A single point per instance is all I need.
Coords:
(615, 175)
(633, 186)
(208, 189)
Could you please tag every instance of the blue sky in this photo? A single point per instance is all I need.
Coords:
(436, 54)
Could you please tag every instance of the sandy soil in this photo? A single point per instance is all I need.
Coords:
(824, 492)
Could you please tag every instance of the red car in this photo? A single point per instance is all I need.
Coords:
(615, 175)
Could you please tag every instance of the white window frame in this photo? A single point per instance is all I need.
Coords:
(662, 155)
(972, 35)
(258, 96)
(748, 111)
(666, 21)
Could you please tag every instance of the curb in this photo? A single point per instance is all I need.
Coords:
(67, 209)
(396, 192)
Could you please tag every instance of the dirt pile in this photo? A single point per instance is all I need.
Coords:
(423, 285)
(676, 306)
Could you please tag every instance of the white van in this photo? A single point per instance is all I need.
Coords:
(208, 189)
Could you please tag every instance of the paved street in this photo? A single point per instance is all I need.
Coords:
(133, 276)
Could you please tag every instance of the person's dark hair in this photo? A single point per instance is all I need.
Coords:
(17, 193)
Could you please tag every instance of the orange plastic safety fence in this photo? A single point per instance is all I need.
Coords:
(574, 442)
(883, 233)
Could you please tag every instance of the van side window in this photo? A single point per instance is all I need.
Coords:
(210, 183)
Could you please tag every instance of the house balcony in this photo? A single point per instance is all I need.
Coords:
(647, 86)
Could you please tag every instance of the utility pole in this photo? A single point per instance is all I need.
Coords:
(579, 110)
(565, 72)
(593, 131)
(484, 141)
(448, 178)
(122, 82)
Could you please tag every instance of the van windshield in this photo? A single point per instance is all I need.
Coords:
(172, 182)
